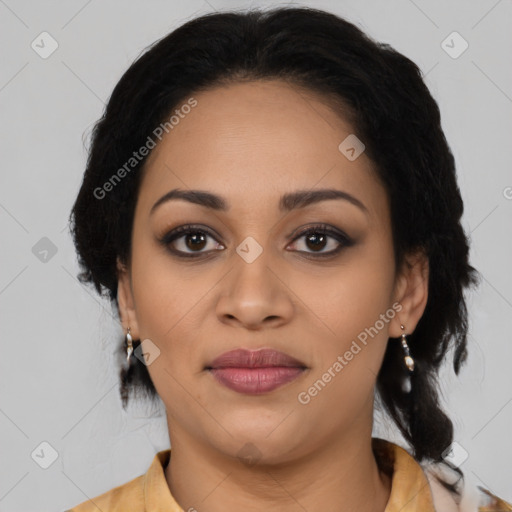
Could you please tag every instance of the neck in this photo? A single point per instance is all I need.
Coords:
(344, 476)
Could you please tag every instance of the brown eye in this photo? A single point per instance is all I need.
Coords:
(195, 241)
(187, 240)
(318, 238)
(316, 241)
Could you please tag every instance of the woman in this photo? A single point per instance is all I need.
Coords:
(272, 206)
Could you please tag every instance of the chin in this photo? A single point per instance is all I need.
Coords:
(261, 444)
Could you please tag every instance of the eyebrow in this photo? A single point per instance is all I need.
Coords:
(289, 201)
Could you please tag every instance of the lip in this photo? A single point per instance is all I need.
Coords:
(261, 358)
(255, 371)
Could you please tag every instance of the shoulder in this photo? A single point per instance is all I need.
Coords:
(143, 492)
(123, 498)
(472, 498)
(412, 478)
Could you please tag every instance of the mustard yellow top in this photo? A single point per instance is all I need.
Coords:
(411, 490)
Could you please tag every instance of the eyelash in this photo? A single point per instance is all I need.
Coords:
(323, 229)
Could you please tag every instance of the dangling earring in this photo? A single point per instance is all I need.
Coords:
(409, 361)
(129, 345)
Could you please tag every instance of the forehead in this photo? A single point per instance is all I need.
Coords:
(254, 141)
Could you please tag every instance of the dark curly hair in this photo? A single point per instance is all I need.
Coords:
(381, 93)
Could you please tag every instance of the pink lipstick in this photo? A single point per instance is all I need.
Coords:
(255, 372)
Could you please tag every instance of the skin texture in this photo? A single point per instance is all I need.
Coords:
(250, 143)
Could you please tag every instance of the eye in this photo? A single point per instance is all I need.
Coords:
(317, 238)
(189, 241)
(192, 241)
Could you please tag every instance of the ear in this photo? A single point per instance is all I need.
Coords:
(411, 291)
(125, 300)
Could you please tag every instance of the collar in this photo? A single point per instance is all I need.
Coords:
(410, 489)
(157, 495)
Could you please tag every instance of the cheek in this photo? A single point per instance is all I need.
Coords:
(164, 300)
(166, 315)
(356, 315)
(349, 297)
(354, 312)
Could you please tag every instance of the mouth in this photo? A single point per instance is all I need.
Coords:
(255, 371)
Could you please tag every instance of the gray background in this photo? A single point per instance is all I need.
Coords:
(58, 377)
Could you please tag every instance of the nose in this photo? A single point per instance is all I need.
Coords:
(254, 295)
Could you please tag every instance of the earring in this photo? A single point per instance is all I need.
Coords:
(129, 345)
(409, 361)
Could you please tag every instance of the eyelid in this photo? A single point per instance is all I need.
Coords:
(324, 228)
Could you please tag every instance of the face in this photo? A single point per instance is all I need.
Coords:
(309, 276)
